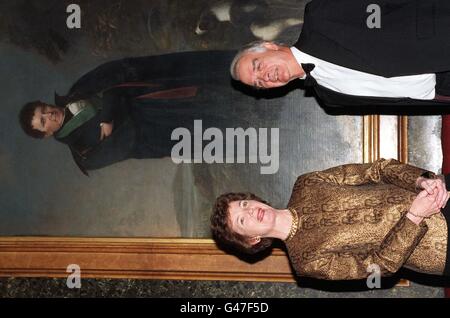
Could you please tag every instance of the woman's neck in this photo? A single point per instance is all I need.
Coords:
(283, 224)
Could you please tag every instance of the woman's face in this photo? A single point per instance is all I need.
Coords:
(251, 218)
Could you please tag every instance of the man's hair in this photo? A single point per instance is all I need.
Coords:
(26, 116)
(255, 46)
(220, 224)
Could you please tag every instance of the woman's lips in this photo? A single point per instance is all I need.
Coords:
(260, 215)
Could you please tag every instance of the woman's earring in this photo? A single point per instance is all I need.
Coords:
(254, 240)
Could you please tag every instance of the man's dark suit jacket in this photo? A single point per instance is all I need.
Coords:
(414, 38)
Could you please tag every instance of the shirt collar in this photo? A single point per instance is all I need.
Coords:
(302, 57)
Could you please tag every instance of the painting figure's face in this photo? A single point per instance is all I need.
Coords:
(268, 69)
(47, 119)
(251, 218)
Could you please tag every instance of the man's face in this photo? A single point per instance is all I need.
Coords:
(251, 218)
(266, 69)
(47, 119)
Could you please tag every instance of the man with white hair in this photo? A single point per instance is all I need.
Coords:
(349, 62)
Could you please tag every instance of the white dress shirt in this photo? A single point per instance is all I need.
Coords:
(348, 81)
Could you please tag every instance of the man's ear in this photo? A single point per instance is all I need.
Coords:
(254, 240)
(271, 46)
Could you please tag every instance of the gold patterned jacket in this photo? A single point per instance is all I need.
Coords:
(353, 216)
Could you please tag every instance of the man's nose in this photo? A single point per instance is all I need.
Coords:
(263, 76)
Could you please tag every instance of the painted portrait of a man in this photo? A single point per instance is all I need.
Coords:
(141, 123)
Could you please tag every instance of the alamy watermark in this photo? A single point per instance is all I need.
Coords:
(374, 279)
(74, 19)
(74, 279)
(374, 19)
(231, 148)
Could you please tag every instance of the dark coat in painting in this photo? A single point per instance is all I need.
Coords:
(146, 98)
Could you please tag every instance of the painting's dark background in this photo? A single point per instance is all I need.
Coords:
(115, 28)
